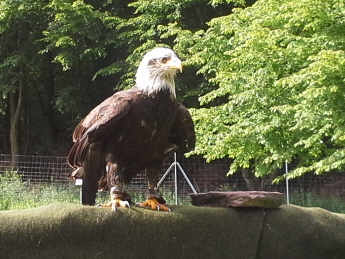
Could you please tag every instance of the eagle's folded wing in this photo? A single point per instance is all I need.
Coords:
(182, 132)
(98, 121)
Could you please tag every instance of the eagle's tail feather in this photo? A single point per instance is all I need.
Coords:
(94, 166)
(78, 152)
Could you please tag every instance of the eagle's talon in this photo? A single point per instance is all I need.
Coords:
(124, 204)
(154, 205)
(114, 204)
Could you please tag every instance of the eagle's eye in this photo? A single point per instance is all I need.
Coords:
(164, 60)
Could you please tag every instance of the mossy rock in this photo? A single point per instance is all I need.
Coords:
(75, 231)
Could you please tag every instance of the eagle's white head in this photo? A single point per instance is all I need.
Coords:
(157, 70)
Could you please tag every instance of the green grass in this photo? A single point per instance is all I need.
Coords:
(16, 194)
(330, 203)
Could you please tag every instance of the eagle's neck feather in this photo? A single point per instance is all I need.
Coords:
(154, 81)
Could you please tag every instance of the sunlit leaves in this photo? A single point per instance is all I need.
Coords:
(280, 67)
(270, 78)
(75, 32)
(237, 2)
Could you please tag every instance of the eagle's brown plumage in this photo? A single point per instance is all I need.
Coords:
(133, 130)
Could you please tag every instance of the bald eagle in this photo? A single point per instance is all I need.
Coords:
(131, 131)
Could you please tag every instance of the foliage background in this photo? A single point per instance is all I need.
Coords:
(281, 72)
(264, 79)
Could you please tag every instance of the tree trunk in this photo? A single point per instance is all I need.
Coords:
(16, 100)
(4, 128)
(263, 183)
(248, 178)
(49, 111)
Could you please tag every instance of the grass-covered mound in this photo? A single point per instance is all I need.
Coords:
(74, 231)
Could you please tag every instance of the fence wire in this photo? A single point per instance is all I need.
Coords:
(204, 177)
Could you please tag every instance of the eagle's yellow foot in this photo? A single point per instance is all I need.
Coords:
(114, 204)
(118, 199)
(154, 204)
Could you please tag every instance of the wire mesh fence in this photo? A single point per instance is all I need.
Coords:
(37, 169)
(327, 190)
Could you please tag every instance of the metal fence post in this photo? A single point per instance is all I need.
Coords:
(287, 183)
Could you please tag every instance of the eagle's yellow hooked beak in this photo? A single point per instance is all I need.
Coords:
(175, 63)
